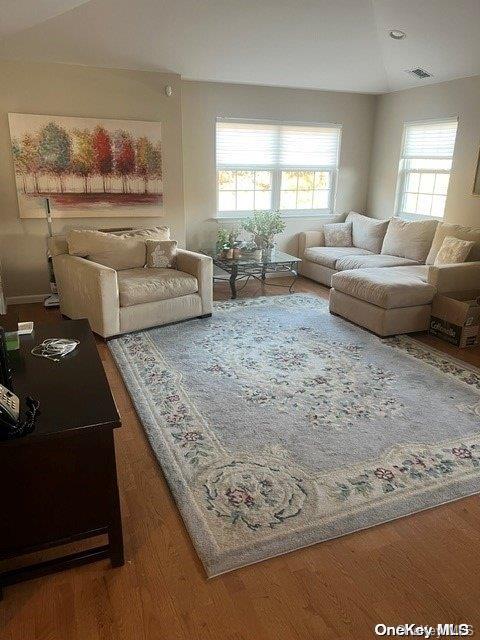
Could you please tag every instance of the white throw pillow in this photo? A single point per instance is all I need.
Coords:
(338, 234)
(453, 251)
(367, 233)
(107, 249)
(161, 254)
(409, 239)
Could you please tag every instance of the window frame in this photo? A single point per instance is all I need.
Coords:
(276, 174)
(404, 171)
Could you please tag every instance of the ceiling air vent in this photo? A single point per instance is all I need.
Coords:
(419, 73)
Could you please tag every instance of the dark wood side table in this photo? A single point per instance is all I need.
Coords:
(59, 483)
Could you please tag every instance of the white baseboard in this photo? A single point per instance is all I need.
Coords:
(27, 299)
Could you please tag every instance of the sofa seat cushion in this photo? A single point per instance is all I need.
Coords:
(328, 256)
(385, 288)
(373, 260)
(137, 286)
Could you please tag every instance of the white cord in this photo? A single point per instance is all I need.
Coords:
(55, 348)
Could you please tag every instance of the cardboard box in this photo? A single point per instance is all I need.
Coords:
(456, 318)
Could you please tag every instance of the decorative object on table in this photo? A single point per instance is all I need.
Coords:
(88, 167)
(346, 440)
(227, 242)
(264, 226)
(55, 349)
(257, 266)
(476, 183)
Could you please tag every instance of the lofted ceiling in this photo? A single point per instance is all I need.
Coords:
(316, 44)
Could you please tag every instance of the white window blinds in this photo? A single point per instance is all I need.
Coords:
(430, 139)
(270, 146)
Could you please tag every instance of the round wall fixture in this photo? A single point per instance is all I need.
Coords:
(396, 34)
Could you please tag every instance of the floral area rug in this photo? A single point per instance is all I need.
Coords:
(278, 425)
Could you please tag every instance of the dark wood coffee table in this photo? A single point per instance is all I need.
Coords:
(246, 267)
(59, 483)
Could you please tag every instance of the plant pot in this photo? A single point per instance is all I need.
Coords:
(237, 252)
(227, 254)
(267, 253)
(257, 254)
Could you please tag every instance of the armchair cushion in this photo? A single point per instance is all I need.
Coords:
(161, 253)
(137, 286)
(107, 249)
(155, 233)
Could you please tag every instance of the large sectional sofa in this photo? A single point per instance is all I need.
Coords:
(386, 280)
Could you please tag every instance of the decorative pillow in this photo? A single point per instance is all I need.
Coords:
(338, 234)
(367, 233)
(107, 249)
(161, 254)
(459, 231)
(409, 239)
(155, 233)
(453, 251)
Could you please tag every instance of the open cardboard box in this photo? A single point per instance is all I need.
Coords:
(456, 317)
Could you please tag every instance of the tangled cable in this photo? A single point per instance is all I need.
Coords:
(55, 348)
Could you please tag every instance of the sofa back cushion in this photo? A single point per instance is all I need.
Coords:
(154, 233)
(367, 233)
(107, 249)
(409, 239)
(446, 229)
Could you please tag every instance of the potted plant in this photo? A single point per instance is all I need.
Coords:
(264, 226)
(227, 242)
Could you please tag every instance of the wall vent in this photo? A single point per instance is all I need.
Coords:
(419, 73)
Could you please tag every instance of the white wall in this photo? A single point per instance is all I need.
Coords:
(202, 102)
(58, 89)
(456, 98)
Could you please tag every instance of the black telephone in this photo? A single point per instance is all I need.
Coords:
(11, 424)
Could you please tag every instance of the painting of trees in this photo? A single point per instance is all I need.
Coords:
(102, 154)
(55, 151)
(87, 163)
(83, 157)
(124, 157)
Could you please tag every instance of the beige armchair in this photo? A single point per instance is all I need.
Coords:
(117, 302)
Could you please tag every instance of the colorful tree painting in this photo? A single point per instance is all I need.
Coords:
(102, 153)
(82, 162)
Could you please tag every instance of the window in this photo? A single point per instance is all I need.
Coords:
(266, 165)
(425, 165)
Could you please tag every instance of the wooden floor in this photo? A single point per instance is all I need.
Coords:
(423, 569)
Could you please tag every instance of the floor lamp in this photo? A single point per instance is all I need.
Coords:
(53, 299)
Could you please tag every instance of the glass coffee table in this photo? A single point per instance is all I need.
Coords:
(246, 267)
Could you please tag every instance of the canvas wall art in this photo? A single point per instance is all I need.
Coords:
(87, 167)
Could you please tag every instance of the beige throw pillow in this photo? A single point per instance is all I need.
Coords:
(453, 251)
(161, 254)
(367, 233)
(409, 239)
(447, 229)
(107, 249)
(338, 234)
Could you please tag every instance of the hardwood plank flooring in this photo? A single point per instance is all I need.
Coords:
(423, 569)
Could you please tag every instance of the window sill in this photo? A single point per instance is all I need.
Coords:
(419, 216)
(287, 215)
